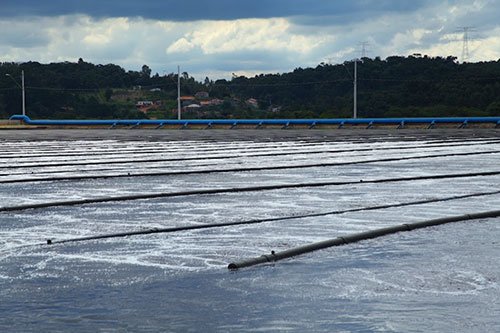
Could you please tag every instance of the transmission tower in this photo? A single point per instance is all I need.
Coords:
(363, 49)
(465, 41)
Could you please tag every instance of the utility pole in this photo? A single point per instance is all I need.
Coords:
(363, 55)
(24, 95)
(22, 88)
(355, 109)
(178, 92)
(355, 90)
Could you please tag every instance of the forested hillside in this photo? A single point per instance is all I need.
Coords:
(411, 86)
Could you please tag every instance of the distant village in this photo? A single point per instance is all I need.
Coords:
(200, 104)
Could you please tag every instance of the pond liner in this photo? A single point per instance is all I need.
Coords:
(353, 238)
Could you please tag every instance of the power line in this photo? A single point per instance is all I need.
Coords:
(67, 89)
(229, 84)
(281, 84)
(285, 84)
(5, 89)
(306, 83)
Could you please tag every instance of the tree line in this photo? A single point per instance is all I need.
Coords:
(413, 86)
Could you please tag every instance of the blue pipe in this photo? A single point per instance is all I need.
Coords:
(262, 122)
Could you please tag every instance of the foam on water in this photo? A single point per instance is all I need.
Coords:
(424, 272)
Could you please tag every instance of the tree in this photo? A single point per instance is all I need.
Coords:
(108, 93)
(146, 71)
(397, 86)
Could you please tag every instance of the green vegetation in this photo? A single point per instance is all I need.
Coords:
(413, 86)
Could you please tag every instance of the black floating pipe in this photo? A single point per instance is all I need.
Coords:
(271, 219)
(245, 169)
(145, 150)
(275, 256)
(66, 162)
(239, 190)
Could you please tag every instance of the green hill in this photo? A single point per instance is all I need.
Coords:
(411, 86)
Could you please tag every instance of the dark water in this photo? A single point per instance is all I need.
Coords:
(440, 279)
(395, 284)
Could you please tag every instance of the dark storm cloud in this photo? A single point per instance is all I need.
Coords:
(188, 10)
(287, 34)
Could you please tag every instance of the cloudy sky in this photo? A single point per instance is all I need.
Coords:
(218, 37)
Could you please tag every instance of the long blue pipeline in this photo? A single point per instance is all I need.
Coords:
(263, 122)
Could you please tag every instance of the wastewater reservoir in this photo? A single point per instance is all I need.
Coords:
(275, 190)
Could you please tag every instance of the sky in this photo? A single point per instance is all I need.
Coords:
(219, 38)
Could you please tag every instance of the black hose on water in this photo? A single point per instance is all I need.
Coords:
(353, 238)
(274, 219)
(238, 190)
(247, 169)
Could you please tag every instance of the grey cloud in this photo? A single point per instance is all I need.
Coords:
(387, 25)
(21, 35)
(212, 10)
